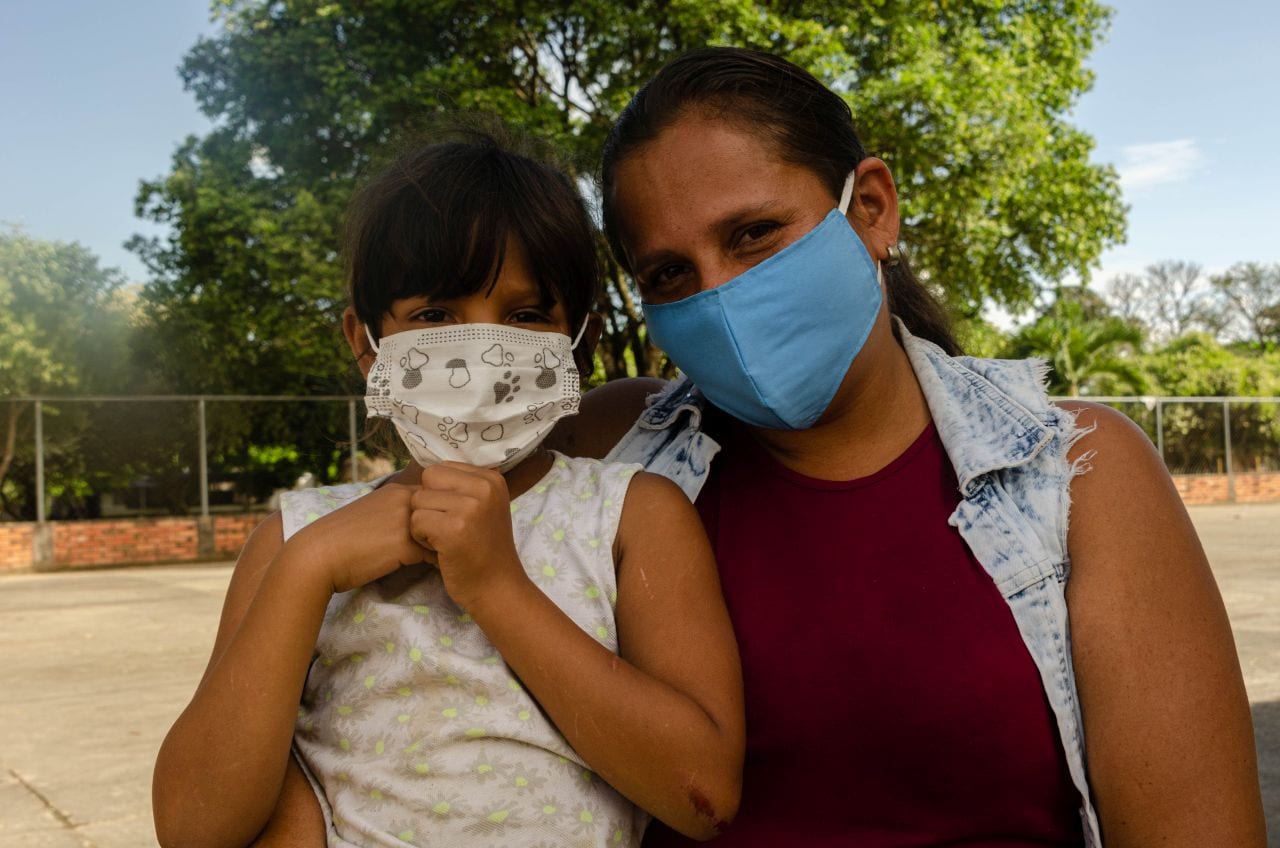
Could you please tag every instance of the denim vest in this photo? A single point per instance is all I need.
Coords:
(1009, 446)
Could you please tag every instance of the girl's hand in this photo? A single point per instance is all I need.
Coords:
(462, 513)
(366, 539)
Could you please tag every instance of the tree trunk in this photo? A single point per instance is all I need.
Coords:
(10, 439)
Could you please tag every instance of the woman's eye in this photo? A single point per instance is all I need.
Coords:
(665, 277)
(756, 233)
(530, 316)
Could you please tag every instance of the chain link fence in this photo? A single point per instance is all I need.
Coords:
(99, 457)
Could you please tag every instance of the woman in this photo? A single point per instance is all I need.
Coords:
(891, 520)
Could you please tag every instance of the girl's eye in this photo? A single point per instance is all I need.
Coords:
(430, 316)
(530, 316)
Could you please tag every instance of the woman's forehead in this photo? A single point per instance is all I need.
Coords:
(697, 174)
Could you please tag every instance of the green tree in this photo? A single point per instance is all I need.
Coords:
(1169, 299)
(968, 103)
(65, 323)
(1252, 292)
(1197, 365)
(1087, 351)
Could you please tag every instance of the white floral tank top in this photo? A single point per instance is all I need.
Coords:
(412, 729)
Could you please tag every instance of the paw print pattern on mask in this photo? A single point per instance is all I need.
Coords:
(453, 432)
(492, 433)
(459, 376)
(406, 410)
(412, 363)
(536, 411)
(548, 362)
(497, 356)
(506, 388)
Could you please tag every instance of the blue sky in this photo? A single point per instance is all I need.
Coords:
(1184, 105)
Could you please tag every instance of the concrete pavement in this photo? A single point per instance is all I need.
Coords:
(97, 664)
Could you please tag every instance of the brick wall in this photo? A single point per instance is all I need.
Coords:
(15, 545)
(117, 541)
(1251, 487)
(142, 540)
(230, 531)
(120, 541)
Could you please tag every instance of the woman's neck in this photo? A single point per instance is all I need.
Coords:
(876, 414)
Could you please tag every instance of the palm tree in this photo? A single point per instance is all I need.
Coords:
(1083, 349)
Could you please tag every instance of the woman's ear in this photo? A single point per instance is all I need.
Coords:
(873, 211)
(357, 340)
(584, 353)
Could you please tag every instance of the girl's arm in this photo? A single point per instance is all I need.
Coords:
(1166, 719)
(663, 723)
(221, 767)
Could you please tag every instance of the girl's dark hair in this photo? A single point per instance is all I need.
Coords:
(810, 125)
(435, 222)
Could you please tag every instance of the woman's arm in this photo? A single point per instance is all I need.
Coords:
(1167, 728)
(220, 770)
(663, 723)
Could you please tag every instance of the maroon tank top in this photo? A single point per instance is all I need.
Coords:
(890, 699)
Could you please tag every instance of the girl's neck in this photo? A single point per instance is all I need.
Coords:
(876, 414)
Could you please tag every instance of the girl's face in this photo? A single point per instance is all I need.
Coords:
(705, 201)
(515, 300)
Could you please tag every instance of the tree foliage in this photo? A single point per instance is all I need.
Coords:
(966, 101)
(1198, 365)
(1169, 299)
(65, 322)
(1088, 351)
(1252, 294)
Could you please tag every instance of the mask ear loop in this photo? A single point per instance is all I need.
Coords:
(847, 193)
(581, 332)
(369, 336)
(845, 196)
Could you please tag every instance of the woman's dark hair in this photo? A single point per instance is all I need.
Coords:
(810, 125)
(436, 221)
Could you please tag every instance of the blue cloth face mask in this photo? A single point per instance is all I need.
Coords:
(771, 346)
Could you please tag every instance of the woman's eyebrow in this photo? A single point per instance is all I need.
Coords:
(644, 263)
(728, 221)
(738, 216)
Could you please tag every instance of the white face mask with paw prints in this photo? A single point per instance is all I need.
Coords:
(485, 394)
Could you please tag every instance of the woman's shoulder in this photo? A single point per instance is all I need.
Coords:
(1121, 483)
(604, 416)
(1105, 432)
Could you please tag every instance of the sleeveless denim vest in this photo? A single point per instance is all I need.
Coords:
(1009, 447)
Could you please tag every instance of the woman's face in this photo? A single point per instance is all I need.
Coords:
(706, 200)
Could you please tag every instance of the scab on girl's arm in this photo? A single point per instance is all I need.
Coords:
(663, 722)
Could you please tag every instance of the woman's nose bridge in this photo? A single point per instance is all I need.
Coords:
(715, 270)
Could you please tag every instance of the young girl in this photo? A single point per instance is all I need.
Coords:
(498, 645)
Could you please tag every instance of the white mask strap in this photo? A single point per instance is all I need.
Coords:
(581, 332)
(372, 343)
(846, 194)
